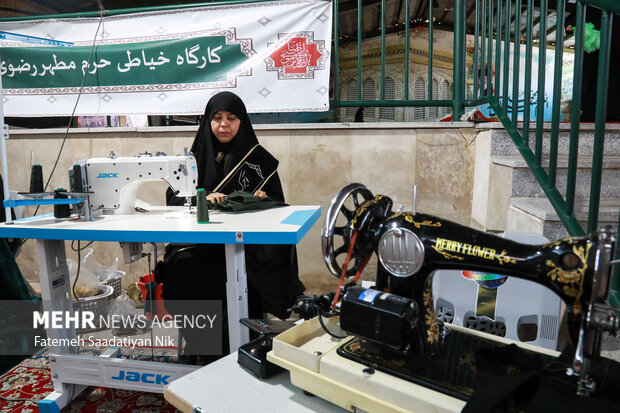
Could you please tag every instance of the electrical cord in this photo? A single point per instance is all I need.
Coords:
(101, 12)
(77, 275)
(327, 330)
(316, 306)
(85, 246)
(77, 101)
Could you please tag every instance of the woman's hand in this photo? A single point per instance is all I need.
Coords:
(260, 194)
(215, 197)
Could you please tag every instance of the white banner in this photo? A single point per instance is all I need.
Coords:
(274, 55)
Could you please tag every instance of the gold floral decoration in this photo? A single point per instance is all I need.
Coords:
(448, 256)
(572, 280)
(362, 208)
(432, 328)
(569, 240)
(469, 360)
(505, 259)
(409, 218)
(360, 348)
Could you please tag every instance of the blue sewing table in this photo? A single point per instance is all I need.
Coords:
(71, 373)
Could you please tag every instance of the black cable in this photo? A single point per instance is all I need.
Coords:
(77, 275)
(85, 246)
(64, 139)
(326, 330)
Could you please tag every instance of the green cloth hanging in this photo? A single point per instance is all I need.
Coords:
(592, 38)
(16, 308)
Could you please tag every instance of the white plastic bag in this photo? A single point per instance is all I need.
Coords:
(102, 272)
(87, 283)
(128, 320)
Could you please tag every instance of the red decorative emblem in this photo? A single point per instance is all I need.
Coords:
(297, 56)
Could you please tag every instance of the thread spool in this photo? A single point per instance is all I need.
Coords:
(202, 208)
(75, 181)
(36, 179)
(61, 210)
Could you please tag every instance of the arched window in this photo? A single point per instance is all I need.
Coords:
(433, 112)
(444, 94)
(387, 113)
(351, 95)
(419, 93)
(369, 93)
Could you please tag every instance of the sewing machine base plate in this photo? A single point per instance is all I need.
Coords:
(312, 358)
(315, 365)
(464, 362)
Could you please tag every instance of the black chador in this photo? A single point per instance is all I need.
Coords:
(199, 272)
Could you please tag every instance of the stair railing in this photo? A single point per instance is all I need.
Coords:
(502, 33)
(509, 26)
(511, 32)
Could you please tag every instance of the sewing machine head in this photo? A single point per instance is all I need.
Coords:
(412, 246)
(112, 183)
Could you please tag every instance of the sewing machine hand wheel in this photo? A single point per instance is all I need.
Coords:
(338, 209)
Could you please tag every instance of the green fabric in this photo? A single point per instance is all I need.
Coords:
(16, 332)
(244, 201)
(13, 284)
(592, 38)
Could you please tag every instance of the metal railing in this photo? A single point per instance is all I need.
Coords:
(511, 30)
(498, 27)
(502, 32)
(456, 103)
(497, 31)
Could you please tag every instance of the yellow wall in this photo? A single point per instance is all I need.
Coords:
(315, 162)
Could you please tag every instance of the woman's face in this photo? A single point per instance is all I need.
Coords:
(225, 125)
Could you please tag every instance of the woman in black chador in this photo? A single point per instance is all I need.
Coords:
(224, 137)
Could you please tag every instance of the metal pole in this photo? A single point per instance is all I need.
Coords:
(383, 52)
(540, 97)
(528, 73)
(407, 34)
(335, 54)
(557, 95)
(4, 135)
(459, 60)
(601, 115)
(573, 148)
(359, 49)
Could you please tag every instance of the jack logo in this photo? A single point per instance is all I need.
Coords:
(107, 175)
(135, 376)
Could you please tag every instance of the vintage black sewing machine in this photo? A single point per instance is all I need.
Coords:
(393, 330)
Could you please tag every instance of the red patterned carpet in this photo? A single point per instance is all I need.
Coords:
(25, 384)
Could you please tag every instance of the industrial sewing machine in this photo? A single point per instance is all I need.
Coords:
(111, 183)
(109, 186)
(406, 359)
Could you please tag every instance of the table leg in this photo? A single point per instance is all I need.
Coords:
(72, 374)
(236, 295)
(56, 296)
